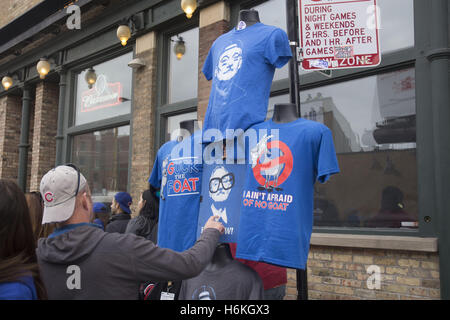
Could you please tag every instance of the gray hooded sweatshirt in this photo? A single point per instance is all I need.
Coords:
(88, 263)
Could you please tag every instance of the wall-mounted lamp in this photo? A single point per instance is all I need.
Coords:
(189, 7)
(43, 67)
(8, 79)
(123, 33)
(90, 77)
(7, 82)
(129, 26)
(179, 49)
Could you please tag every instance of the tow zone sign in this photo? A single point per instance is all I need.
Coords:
(339, 34)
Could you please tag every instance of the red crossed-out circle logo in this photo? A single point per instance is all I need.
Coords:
(48, 196)
(272, 173)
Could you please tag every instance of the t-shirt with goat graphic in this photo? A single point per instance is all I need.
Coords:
(277, 204)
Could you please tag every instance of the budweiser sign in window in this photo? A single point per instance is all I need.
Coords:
(104, 91)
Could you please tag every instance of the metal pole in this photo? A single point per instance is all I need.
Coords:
(24, 133)
(292, 28)
(60, 129)
(294, 93)
(302, 284)
(439, 57)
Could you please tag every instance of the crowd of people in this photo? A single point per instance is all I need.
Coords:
(59, 244)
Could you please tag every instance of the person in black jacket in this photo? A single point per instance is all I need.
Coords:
(146, 224)
(120, 208)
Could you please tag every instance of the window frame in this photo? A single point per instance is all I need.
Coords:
(391, 61)
(71, 130)
(164, 110)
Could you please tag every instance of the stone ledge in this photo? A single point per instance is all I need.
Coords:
(215, 12)
(375, 242)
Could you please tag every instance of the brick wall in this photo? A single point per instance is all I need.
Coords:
(10, 124)
(10, 118)
(291, 287)
(341, 273)
(14, 8)
(43, 139)
(144, 107)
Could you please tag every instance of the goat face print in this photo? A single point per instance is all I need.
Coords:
(272, 163)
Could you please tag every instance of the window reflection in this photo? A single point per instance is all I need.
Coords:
(102, 157)
(110, 96)
(183, 73)
(374, 134)
(173, 124)
(397, 24)
(396, 33)
(273, 13)
(284, 98)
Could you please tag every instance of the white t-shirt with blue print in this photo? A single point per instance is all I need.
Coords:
(241, 64)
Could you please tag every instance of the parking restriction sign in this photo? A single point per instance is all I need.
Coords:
(339, 34)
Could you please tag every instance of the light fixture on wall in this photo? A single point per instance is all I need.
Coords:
(189, 7)
(180, 48)
(43, 67)
(90, 77)
(130, 26)
(124, 34)
(9, 78)
(7, 82)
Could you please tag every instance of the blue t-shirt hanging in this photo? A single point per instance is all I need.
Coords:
(277, 203)
(242, 64)
(177, 171)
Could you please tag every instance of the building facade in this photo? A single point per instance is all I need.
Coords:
(389, 124)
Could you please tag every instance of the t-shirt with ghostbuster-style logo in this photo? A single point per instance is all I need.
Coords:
(177, 171)
(241, 64)
(278, 197)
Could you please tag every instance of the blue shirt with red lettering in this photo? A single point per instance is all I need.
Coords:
(177, 172)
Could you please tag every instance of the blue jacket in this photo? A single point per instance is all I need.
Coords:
(23, 289)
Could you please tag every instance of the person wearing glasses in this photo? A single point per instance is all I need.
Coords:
(220, 184)
(81, 261)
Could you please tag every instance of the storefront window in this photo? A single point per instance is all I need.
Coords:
(273, 13)
(109, 96)
(283, 98)
(102, 157)
(173, 124)
(183, 72)
(397, 24)
(374, 132)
